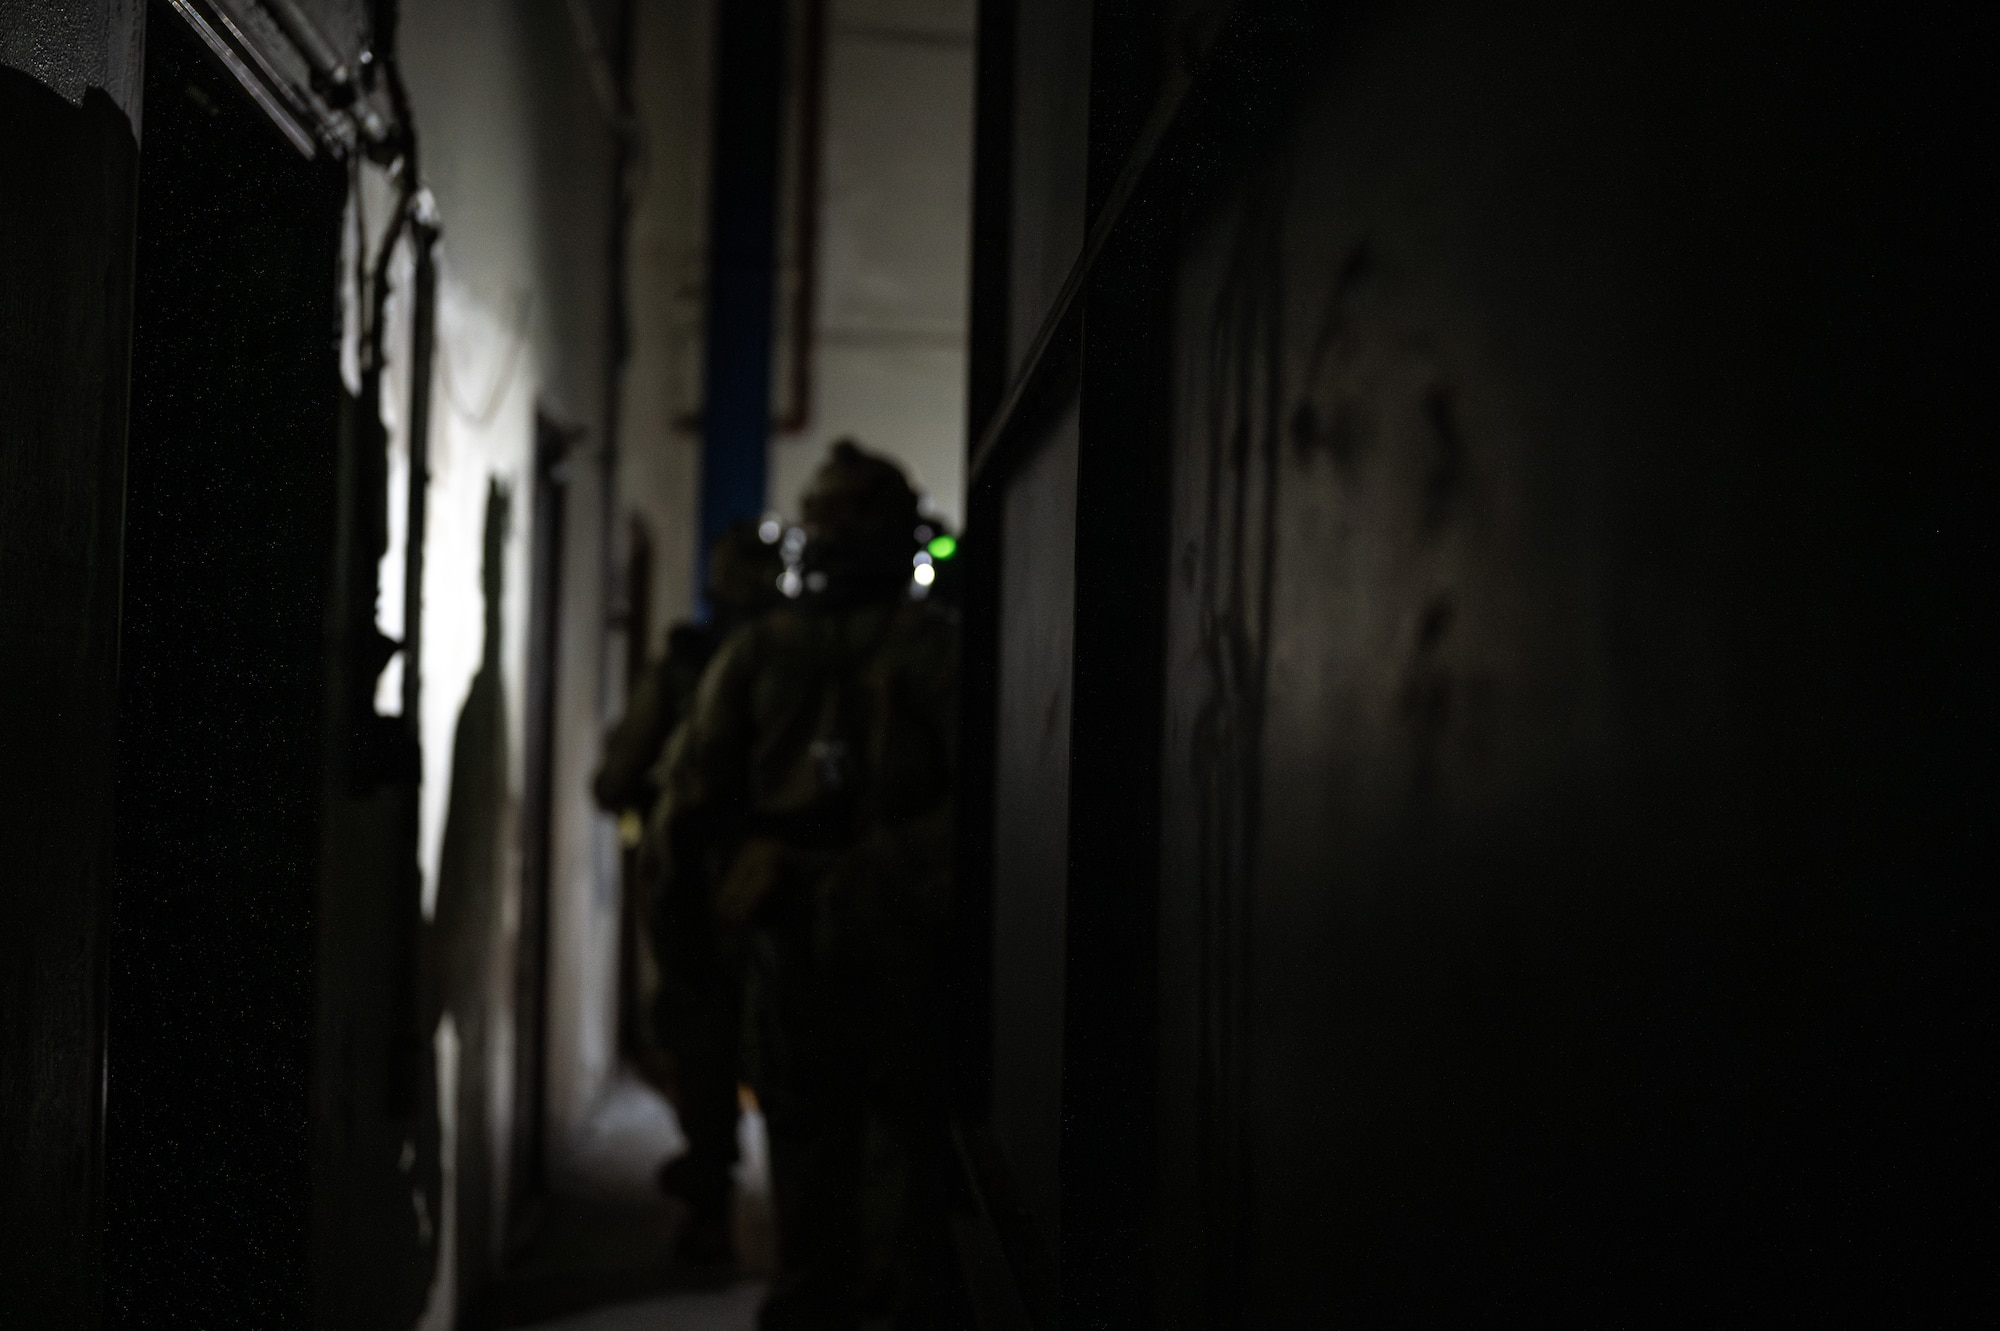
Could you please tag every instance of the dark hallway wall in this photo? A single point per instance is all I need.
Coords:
(1030, 823)
(1569, 793)
(230, 560)
(1571, 826)
(67, 188)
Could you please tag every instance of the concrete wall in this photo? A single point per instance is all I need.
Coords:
(69, 79)
(1566, 837)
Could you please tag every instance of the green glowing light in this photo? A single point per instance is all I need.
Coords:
(942, 547)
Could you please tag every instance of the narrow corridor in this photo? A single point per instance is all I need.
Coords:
(1013, 664)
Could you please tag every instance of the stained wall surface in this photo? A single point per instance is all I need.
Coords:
(1568, 890)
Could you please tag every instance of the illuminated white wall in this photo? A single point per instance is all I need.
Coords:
(517, 151)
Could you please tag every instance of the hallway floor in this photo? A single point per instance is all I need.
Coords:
(598, 1258)
(732, 1309)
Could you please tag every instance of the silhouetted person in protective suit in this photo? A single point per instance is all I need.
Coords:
(815, 775)
(697, 1012)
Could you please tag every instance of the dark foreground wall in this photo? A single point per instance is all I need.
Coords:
(230, 559)
(1574, 666)
(1566, 793)
(67, 175)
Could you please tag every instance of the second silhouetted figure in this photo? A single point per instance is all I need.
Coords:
(815, 775)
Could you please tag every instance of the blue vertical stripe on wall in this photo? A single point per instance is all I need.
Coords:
(736, 411)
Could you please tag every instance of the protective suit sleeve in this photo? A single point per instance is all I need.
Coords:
(633, 745)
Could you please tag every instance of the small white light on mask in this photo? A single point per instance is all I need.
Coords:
(790, 584)
(925, 575)
(922, 559)
(769, 530)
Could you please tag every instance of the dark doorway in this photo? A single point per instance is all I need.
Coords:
(552, 448)
(231, 519)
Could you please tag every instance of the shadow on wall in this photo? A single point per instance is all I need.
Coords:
(469, 952)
